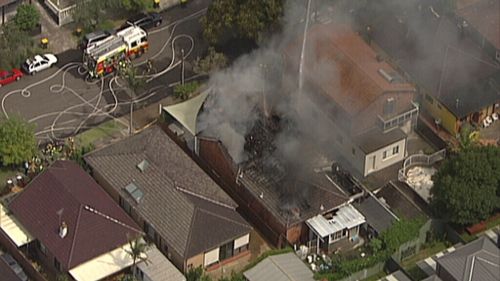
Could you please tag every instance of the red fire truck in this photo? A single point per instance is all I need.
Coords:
(105, 56)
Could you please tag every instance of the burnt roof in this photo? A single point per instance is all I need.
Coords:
(345, 68)
(435, 54)
(484, 16)
(291, 200)
(180, 201)
(66, 189)
(375, 139)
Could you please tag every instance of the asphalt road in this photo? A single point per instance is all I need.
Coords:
(60, 102)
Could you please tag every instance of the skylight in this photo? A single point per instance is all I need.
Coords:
(134, 191)
(143, 165)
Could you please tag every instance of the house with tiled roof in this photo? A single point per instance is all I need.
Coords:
(366, 102)
(481, 20)
(74, 225)
(459, 81)
(477, 260)
(180, 208)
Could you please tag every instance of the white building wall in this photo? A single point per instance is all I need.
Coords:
(377, 160)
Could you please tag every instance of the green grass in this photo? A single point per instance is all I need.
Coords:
(467, 237)
(424, 253)
(376, 277)
(105, 130)
(416, 273)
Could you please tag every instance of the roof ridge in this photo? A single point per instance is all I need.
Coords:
(219, 216)
(74, 237)
(195, 210)
(281, 269)
(183, 190)
(109, 218)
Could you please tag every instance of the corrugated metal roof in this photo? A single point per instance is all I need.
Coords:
(104, 265)
(285, 267)
(159, 268)
(13, 228)
(346, 217)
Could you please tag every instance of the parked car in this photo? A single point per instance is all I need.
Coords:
(146, 21)
(94, 37)
(7, 77)
(39, 63)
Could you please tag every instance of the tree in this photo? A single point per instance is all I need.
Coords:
(135, 5)
(15, 46)
(468, 137)
(196, 274)
(134, 83)
(137, 252)
(248, 19)
(17, 141)
(27, 17)
(182, 92)
(467, 186)
(212, 62)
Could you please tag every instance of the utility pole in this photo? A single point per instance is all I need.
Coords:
(182, 66)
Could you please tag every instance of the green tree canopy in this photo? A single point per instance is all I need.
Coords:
(212, 62)
(15, 46)
(17, 141)
(467, 186)
(27, 17)
(248, 18)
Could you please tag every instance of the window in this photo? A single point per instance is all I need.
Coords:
(395, 150)
(43, 249)
(384, 154)
(241, 249)
(226, 251)
(57, 265)
(429, 99)
(143, 39)
(125, 205)
(389, 106)
(134, 44)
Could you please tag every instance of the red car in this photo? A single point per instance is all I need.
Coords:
(7, 77)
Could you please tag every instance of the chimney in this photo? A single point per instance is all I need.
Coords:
(63, 230)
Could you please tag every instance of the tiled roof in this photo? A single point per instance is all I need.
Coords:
(7, 273)
(433, 52)
(179, 198)
(64, 193)
(340, 63)
(478, 260)
(377, 216)
(484, 16)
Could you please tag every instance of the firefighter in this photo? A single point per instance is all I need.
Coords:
(149, 66)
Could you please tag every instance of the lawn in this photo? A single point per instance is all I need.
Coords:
(109, 129)
(416, 273)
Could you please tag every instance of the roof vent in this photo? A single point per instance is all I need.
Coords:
(321, 208)
(143, 165)
(134, 191)
(386, 75)
(261, 195)
(63, 230)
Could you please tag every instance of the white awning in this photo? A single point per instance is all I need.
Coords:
(13, 228)
(103, 265)
(346, 217)
(186, 112)
(158, 267)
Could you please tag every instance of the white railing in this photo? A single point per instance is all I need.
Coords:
(420, 160)
(400, 119)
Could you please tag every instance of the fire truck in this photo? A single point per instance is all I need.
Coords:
(105, 56)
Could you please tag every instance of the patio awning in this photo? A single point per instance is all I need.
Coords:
(346, 217)
(186, 112)
(13, 228)
(103, 265)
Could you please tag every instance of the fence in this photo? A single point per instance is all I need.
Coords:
(420, 160)
(11, 248)
(365, 273)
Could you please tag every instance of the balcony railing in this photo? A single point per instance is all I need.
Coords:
(399, 119)
(420, 160)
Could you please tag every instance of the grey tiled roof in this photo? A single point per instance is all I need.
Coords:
(376, 215)
(179, 197)
(478, 260)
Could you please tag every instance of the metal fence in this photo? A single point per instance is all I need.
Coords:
(420, 160)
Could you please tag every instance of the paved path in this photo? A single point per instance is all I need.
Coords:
(60, 38)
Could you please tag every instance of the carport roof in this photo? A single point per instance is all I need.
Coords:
(285, 267)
